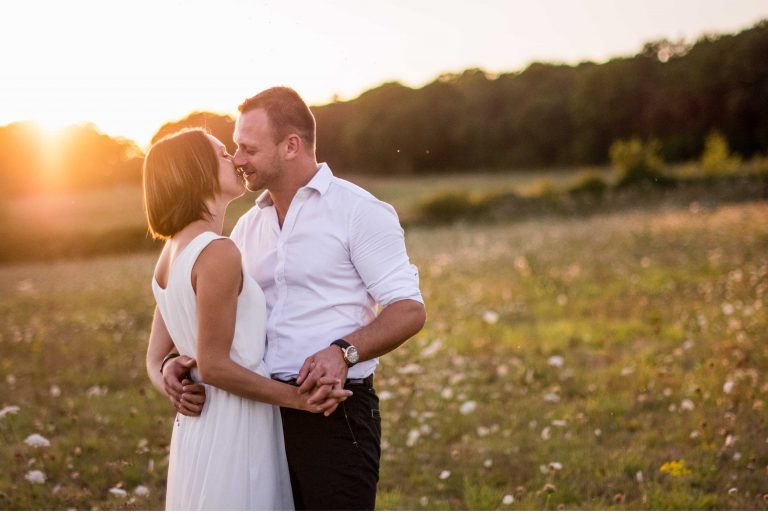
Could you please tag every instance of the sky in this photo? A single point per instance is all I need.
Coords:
(129, 67)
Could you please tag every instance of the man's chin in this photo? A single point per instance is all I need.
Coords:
(252, 186)
(249, 181)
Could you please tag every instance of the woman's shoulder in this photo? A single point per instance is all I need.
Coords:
(221, 251)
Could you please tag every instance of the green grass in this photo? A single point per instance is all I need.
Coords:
(653, 311)
(120, 207)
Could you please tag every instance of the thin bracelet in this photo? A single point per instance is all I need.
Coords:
(168, 357)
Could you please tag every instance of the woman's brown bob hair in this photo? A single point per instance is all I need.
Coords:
(181, 172)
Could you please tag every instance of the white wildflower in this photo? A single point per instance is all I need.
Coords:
(487, 463)
(409, 369)
(695, 434)
(686, 404)
(96, 391)
(11, 409)
(55, 391)
(733, 491)
(120, 493)
(559, 422)
(546, 433)
(491, 317)
(728, 386)
(727, 309)
(432, 349)
(37, 441)
(508, 499)
(35, 476)
(556, 361)
(444, 474)
(551, 397)
(639, 476)
(447, 393)
(628, 370)
(384, 395)
(141, 490)
(555, 466)
(468, 407)
(413, 436)
(737, 456)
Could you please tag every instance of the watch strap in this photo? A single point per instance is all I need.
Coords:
(341, 343)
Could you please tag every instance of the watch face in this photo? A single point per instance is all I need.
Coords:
(352, 355)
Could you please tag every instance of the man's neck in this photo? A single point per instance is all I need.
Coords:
(282, 194)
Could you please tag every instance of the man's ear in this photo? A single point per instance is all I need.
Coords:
(293, 145)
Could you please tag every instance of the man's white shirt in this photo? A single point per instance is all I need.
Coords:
(340, 253)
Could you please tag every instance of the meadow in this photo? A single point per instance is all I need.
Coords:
(613, 361)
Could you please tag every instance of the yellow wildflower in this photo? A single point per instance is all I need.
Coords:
(675, 468)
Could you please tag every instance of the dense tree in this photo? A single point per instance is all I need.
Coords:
(672, 92)
(551, 115)
(220, 126)
(79, 157)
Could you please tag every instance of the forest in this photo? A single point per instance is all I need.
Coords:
(547, 115)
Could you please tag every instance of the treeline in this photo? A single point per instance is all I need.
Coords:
(558, 115)
(80, 157)
(547, 115)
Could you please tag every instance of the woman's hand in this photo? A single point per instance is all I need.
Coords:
(325, 397)
(186, 396)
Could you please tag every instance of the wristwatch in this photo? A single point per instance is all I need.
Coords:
(351, 357)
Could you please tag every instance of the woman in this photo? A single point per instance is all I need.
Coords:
(232, 456)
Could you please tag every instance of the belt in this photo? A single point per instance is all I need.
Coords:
(367, 381)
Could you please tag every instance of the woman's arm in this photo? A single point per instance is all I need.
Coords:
(189, 399)
(217, 280)
(160, 344)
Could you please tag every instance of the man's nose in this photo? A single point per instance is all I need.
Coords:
(238, 159)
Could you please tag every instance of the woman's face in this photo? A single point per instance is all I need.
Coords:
(230, 183)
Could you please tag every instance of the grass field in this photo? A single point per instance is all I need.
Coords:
(617, 361)
(121, 206)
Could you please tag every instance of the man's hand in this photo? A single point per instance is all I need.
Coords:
(325, 363)
(186, 396)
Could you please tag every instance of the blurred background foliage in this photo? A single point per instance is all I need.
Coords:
(548, 115)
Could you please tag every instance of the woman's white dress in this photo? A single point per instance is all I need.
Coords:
(232, 457)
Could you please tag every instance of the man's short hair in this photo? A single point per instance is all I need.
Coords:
(181, 172)
(287, 113)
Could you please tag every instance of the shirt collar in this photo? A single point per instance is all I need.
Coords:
(320, 182)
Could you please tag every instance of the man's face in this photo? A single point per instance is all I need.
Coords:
(257, 154)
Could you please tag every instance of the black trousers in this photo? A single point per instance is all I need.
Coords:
(334, 461)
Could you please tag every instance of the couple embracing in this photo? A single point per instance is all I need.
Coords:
(266, 342)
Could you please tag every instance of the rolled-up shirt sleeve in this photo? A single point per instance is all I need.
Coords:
(377, 250)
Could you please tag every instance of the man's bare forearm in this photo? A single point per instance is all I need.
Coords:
(394, 325)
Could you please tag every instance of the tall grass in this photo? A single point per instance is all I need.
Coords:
(617, 361)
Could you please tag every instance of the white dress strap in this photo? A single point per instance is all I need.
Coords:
(186, 260)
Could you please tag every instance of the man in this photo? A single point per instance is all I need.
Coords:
(326, 253)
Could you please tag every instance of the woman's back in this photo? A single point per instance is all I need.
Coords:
(177, 305)
(232, 457)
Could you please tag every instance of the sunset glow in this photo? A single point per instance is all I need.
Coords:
(130, 67)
